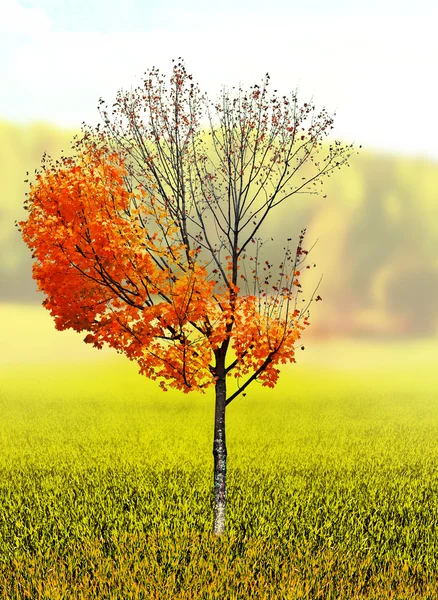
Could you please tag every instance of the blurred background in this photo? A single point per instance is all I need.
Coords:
(371, 63)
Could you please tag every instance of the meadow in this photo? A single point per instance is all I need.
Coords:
(105, 487)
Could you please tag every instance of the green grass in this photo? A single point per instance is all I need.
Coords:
(106, 483)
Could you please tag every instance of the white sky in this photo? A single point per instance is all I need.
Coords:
(374, 62)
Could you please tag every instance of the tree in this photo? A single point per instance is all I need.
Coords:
(148, 238)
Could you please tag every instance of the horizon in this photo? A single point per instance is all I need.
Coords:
(60, 58)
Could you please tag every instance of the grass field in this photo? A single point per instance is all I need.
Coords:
(105, 487)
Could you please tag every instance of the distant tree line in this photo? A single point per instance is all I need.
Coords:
(377, 232)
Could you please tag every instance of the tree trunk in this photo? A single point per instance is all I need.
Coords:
(220, 450)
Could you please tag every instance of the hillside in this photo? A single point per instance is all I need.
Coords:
(377, 234)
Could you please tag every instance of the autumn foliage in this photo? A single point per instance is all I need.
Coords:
(124, 250)
(105, 272)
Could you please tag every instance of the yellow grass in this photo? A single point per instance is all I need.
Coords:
(106, 483)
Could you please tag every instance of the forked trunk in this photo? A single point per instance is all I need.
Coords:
(220, 452)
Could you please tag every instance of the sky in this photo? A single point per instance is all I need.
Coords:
(372, 62)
